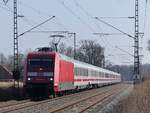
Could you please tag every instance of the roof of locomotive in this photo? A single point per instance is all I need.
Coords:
(35, 53)
(86, 65)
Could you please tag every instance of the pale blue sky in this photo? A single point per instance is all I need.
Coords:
(73, 18)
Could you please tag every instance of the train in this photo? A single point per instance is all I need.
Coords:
(50, 73)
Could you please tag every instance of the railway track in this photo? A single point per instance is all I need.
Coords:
(51, 104)
(7, 104)
(84, 104)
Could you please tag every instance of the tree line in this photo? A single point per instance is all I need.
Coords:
(88, 51)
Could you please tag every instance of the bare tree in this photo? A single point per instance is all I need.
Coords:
(62, 48)
(3, 59)
(88, 51)
(91, 52)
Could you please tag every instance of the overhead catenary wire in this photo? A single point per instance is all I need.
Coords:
(36, 26)
(42, 13)
(29, 22)
(124, 51)
(75, 15)
(90, 16)
(24, 18)
(106, 23)
(79, 6)
(5, 1)
(6, 8)
(130, 17)
(58, 22)
(83, 9)
(105, 43)
(39, 12)
(110, 46)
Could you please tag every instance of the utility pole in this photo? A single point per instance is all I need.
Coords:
(15, 36)
(136, 44)
(74, 36)
(16, 72)
(74, 45)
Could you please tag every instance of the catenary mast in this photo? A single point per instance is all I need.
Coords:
(136, 43)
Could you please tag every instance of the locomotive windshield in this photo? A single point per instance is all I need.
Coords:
(46, 65)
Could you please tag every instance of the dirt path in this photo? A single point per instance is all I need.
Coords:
(138, 101)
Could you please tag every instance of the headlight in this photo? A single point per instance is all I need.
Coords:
(29, 79)
(51, 79)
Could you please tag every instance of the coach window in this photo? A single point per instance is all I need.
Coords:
(82, 72)
(93, 73)
(89, 72)
(100, 74)
(86, 72)
(103, 74)
(97, 73)
(75, 71)
(106, 75)
(78, 71)
(114, 76)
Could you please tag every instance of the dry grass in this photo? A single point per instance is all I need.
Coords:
(8, 92)
(6, 84)
(138, 101)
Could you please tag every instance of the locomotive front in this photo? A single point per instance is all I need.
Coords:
(39, 75)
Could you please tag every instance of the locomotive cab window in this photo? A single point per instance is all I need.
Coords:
(46, 65)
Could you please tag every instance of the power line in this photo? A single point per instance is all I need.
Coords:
(75, 15)
(34, 9)
(6, 9)
(36, 26)
(41, 13)
(124, 51)
(114, 27)
(83, 9)
(58, 22)
(29, 22)
(107, 34)
(86, 12)
(24, 18)
(130, 17)
(109, 45)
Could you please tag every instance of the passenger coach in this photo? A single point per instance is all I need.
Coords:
(51, 73)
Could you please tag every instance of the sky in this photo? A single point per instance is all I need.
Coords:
(77, 16)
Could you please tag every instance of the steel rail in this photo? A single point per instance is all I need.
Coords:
(105, 99)
(53, 110)
(30, 104)
(13, 103)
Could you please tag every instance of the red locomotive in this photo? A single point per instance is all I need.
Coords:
(50, 73)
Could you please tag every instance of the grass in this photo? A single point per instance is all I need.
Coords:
(138, 101)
